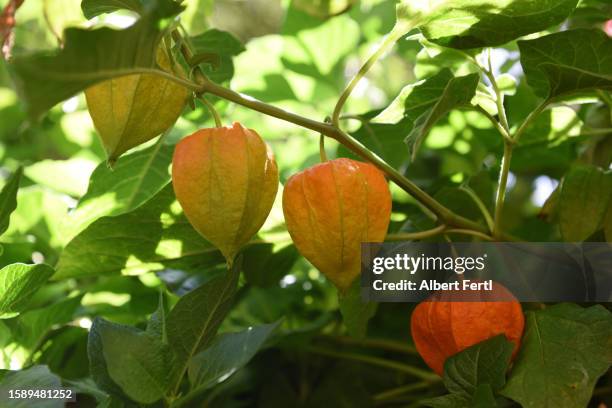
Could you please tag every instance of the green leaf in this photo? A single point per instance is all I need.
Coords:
(136, 361)
(427, 101)
(35, 377)
(433, 58)
(228, 353)
(585, 195)
(483, 363)
(97, 362)
(482, 23)
(355, 312)
(194, 320)
(566, 63)
(263, 266)
(89, 57)
(148, 238)
(18, 282)
(307, 41)
(564, 351)
(133, 180)
(483, 397)
(156, 326)
(93, 8)
(8, 199)
(34, 324)
(386, 140)
(222, 44)
(64, 176)
(447, 401)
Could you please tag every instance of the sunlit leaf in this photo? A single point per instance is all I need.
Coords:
(559, 64)
(18, 282)
(8, 199)
(482, 23)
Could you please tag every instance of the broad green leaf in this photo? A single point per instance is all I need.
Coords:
(447, 401)
(386, 140)
(92, 8)
(136, 361)
(552, 126)
(433, 58)
(427, 101)
(156, 326)
(221, 44)
(355, 312)
(87, 386)
(311, 46)
(565, 349)
(194, 320)
(135, 179)
(145, 239)
(8, 199)
(40, 212)
(89, 57)
(482, 23)
(35, 377)
(228, 353)
(64, 176)
(585, 195)
(483, 363)
(18, 282)
(568, 62)
(263, 266)
(483, 397)
(97, 361)
(32, 325)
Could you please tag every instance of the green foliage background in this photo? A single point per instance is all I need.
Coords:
(123, 267)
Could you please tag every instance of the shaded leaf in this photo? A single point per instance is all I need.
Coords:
(228, 353)
(564, 351)
(222, 44)
(97, 362)
(89, 57)
(265, 267)
(18, 282)
(447, 401)
(585, 195)
(194, 320)
(35, 377)
(562, 64)
(136, 361)
(355, 312)
(8, 199)
(34, 324)
(483, 363)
